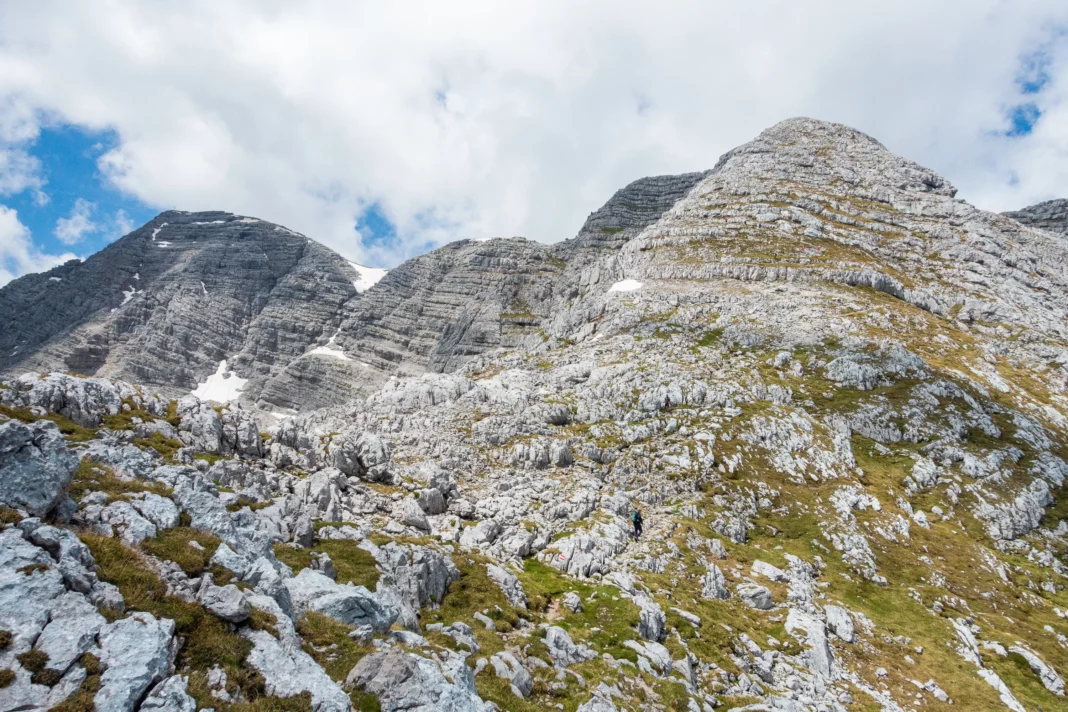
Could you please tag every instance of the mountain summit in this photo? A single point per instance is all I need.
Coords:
(787, 434)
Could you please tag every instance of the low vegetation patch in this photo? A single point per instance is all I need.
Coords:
(176, 545)
(94, 477)
(352, 563)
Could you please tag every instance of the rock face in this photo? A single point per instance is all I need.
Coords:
(164, 305)
(630, 211)
(35, 466)
(1051, 215)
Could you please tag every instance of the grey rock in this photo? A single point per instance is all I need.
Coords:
(352, 605)
(408, 512)
(563, 650)
(136, 652)
(652, 623)
(597, 703)
(171, 695)
(508, 667)
(226, 602)
(83, 400)
(1051, 215)
(509, 585)
(840, 623)
(572, 602)
(714, 585)
(1049, 677)
(754, 596)
(35, 466)
(161, 511)
(288, 671)
(404, 681)
(72, 631)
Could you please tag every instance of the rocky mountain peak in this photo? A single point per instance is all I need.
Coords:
(822, 153)
(1051, 215)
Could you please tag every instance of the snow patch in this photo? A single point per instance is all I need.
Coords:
(164, 243)
(203, 287)
(156, 231)
(330, 349)
(128, 295)
(248, 220)
(222, 386)
(369, 276)
(137, 275)
(626, 285)
(55, 279)
(211, 222)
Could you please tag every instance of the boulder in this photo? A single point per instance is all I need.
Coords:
(72, 631)
(35, 466)
(161, 511)
(754, 596)
(840, 623)
(508, 667)
(572, 602)
(352, 605)
(652, 624)
(226, 602)
(171, 695)
(200, 426)
(714, 584)
(408, 682)
(288, 671)
(509, 584)
(136, 652)
(563, 650)
(408, 512)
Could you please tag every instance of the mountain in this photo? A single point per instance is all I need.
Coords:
(836, 392)
(1051, 215)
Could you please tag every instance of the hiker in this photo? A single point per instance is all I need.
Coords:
(636, 519)
(667, 402)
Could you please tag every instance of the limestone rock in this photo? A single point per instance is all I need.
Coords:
(136, 652)
(403, 681)
(35, 466)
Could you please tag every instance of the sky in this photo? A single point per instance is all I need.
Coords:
(386, 129)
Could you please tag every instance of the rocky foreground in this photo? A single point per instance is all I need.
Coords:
(836, 392)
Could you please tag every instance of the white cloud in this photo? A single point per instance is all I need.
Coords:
(18, 255)
(121, 224)
(72, 229)
(485, 118)
(19, 171)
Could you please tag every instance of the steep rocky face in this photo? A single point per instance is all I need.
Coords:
(430, 314)
(1051, 215)
(631, 210)
(165, 304)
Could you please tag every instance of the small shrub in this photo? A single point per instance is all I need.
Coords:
(33, 660)
(5, 639)
(9, 516)
(6, 677)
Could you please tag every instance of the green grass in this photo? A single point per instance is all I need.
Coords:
(174, 545)
(71, 430)
(352, 563)
(166, 447)
(94, 477)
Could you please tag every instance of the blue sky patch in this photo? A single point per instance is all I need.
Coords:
(68, 158)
